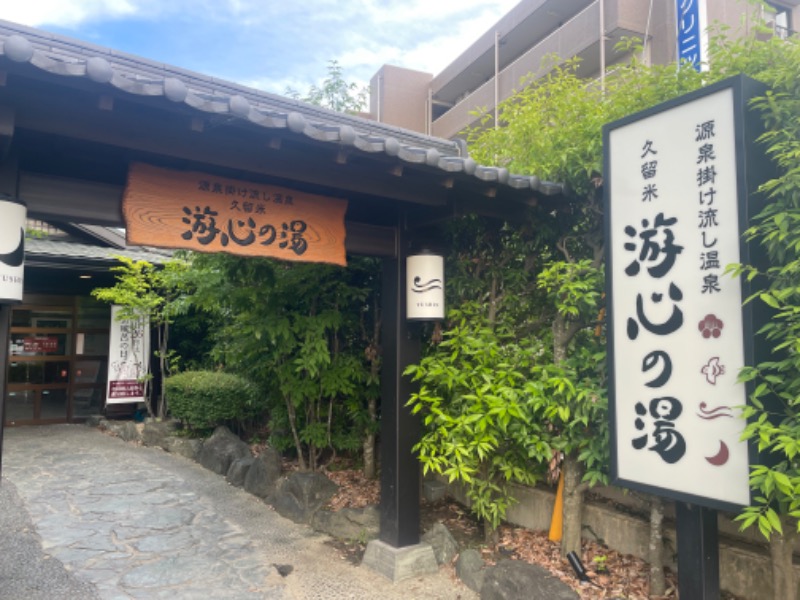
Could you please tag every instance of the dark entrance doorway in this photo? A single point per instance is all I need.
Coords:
(57, 359)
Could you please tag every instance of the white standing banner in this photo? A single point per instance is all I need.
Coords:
(128, 358)
(676, 204)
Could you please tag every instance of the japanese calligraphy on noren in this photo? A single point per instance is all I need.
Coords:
(205, 213)
(676, 324)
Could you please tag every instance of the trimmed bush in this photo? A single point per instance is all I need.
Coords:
(207, 399)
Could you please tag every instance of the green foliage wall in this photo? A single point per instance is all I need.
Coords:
(300, 332)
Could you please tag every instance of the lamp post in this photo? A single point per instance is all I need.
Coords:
(425, 287)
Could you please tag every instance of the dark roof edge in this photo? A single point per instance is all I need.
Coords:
(59, 44)
(66, 57)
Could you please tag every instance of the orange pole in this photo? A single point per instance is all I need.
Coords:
(557, 521)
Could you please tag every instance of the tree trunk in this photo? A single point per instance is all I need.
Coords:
(301, 461)
(573, 506)
(373, 355)
(369, 440)
(491, 535)
(656, 550)
(781, 548)
(563, 332)
(163, 341)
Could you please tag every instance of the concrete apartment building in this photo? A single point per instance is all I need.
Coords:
(491, 68)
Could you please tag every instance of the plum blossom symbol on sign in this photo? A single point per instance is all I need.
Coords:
(712, 370)
(710, 326)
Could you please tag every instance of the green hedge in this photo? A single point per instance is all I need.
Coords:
(206, 399)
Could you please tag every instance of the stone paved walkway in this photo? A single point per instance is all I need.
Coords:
(118, 521)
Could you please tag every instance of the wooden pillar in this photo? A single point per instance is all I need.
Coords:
(400, 472)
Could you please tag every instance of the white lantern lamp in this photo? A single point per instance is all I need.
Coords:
(13, 214)
(425, 287)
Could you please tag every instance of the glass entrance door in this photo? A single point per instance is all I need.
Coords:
(57, 360)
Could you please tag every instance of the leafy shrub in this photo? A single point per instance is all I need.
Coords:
(207, 399)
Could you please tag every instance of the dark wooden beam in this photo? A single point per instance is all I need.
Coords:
(370, 240)
(84, 201)
(7, 119)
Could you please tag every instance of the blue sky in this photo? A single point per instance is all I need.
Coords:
(272, 44)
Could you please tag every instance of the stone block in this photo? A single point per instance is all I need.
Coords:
(263, 474)
(155, 433)
(398, 564)
(238, 470)
(445, 546)
(301, 495)
(514, 579)
(221, 449)
(186, 447)
(471, 569)
(355, 524)
(433, 490)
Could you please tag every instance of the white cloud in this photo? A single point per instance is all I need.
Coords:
(272, 44)
(66, 13)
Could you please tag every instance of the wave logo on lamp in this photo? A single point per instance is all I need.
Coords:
(13, 214)
(16, 256)
(420, 288)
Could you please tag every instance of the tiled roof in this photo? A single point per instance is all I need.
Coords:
(44, 249)
(59, 55)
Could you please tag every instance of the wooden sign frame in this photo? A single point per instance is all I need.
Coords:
(197, 211)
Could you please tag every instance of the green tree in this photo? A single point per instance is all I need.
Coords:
(144, 290)
(572, 114)
(335, 92)
(298, 330)
(480, 425)
(773, 412)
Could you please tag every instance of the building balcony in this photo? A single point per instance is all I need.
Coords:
(579, 36)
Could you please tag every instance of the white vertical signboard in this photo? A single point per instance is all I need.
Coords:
(128, 358)
(13, 214)
(676, 328)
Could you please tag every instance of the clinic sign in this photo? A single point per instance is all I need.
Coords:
(691, 36)
(677, 200)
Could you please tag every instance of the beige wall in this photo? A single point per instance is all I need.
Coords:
(402, 94)
(399, 97)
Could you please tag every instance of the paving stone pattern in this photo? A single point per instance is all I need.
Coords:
(119, 521)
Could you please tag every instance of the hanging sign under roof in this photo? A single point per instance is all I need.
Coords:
(678, 196)
(202, 212)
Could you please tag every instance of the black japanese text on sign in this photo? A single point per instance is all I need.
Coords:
(197, 211)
